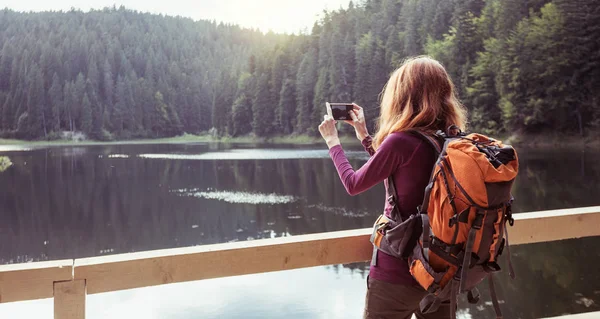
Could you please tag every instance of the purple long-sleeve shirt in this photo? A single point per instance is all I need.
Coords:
(410, 161)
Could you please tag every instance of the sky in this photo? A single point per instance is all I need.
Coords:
(289, 16)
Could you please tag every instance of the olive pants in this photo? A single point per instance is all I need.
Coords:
(391, 301)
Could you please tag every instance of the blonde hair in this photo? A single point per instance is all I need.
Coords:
(419, 95)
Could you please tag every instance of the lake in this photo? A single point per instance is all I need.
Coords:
(64, 202)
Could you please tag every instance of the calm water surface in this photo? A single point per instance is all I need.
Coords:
(82, 201)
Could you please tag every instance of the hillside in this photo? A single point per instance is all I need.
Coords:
(519, 66)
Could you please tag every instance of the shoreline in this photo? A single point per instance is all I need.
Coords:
(186, 138)
(517, 140)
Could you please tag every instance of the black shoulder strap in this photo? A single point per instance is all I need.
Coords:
(438, 145)
(435, 141)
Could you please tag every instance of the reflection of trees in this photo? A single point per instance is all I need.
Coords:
(553, 180)
(83, 204)
(549, 277)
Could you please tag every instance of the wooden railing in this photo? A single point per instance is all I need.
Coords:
(69, 281)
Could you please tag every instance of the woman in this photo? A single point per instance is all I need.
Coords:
(418, 95)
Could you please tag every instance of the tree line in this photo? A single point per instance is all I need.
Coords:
(519, 66)
(117, 73)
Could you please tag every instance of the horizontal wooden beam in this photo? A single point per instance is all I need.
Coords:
(20, 282)
(151, 268)
(110, 273)
(584, 315)
(143, 269)
(554, 225)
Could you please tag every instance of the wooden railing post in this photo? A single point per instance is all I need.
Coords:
(69, 299)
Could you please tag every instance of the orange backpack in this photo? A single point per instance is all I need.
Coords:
(454, 240)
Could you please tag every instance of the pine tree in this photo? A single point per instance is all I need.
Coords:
(6, 62)
(160, 117)
(70, 103)
(107, 91)
(363, 81)
(36, 123)
(482, 95)
(86, 115)
(305, 84)
(7, 119)
(242, 115)
(263, 118)
(287, 107)
(322, 94)
(122, 115)
(56, 103)
(581, 30)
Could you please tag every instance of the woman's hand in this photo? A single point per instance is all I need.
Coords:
(329, 132)
(358, 122)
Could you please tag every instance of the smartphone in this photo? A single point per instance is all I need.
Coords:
(339, 111)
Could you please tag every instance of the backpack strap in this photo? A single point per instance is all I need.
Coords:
(392, 200)
(466, 264)
(436, 144)
(511, 221)
(431, 302)
(494, 297)
(439, 146)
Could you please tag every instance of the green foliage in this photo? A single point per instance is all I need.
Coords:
(242, 115)
(120, 59)
(263, 118)
(519, 66)
(86, 115)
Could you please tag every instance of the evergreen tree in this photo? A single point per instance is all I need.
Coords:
(519, 66)
(263, 118)
(7, 115)
(160, 116)
(305, 82)
(56, 102)
(242, 115)
(86, 115)
(36, 123)
(287, 107)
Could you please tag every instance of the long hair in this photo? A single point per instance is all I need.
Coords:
(419, 95)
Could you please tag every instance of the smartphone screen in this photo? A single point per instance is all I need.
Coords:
(340, 111)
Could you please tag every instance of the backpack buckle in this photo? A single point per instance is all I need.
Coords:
(509, 218)
(473, 296)
(491, 267)
(390, 200)
(452, 221)
(453, 131)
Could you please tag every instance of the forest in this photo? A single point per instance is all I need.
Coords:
(520, 66)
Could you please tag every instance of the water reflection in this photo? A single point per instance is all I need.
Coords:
(72, 202)
(239, 197)
(253, 154)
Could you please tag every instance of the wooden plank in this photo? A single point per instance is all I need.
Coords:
(151, 268)
(109, 273)
(69, 299)
(32, 281)
(555, 225)
(144, 269)
(585, 315)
